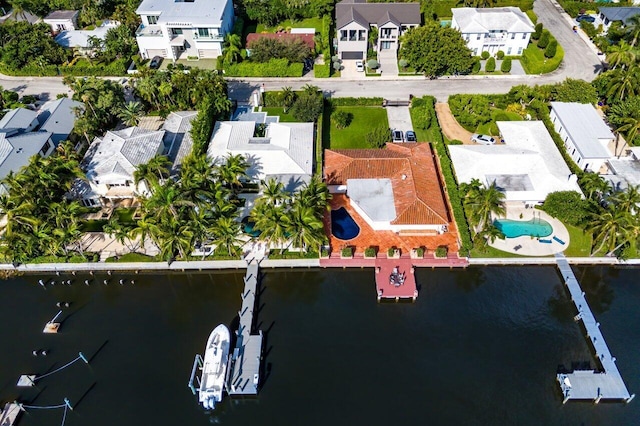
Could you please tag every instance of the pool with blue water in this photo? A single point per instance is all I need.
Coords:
(518, 228)
(342, 224)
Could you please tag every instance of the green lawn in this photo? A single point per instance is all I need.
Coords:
(579, 244)
(491, 128)
(490, 252)
(132, 257)
(305, 23)
(423, 135)
(284, 117)
(364, 119)
(205, 63)
(534, 62)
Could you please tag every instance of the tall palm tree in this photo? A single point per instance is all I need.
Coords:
(288, 98)
(486, 202)
(621, 54)
(633, 29)
(225, 235)
(130, 113)
(315, 194)
(232, 48)
(153, 171)
(303, 227)
(624, 83)
(594, 185)
(630, 127)
(607, 227)
(273, 192)
(270, 221)
(627, 200)
(233, 170)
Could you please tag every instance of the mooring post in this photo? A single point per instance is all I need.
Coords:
(68, 404)
(81, 355)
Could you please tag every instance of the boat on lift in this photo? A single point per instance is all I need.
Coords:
(214, 367)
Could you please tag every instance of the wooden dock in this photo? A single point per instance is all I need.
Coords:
(9, 414)
(386, 289)
(244, 375)
(592, 385)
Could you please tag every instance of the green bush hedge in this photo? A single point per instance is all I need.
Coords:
(273, 68)
(505, 66)
(115, 68)
(490, 66)
(534, 62)
(356, 102)
(322, 71)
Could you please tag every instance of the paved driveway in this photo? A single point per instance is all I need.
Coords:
(349, 71)
(399, 118)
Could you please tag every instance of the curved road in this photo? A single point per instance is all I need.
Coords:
(579, 62)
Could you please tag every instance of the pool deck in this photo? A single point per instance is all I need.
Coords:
(530, 246)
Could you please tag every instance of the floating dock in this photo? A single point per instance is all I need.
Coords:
(387, 288)
(244, 375)
(590, 384)
(9, 414)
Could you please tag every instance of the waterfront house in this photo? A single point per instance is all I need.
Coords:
(281, 151)
(394, 189)
(111, 161)
(607, 16)
(355, 19)
(586, 136)
(526, 167)
(506, 29)
(62, 20)
(184, 29)
(85, 42)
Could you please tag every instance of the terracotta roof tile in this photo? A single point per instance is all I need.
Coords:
(417, 189)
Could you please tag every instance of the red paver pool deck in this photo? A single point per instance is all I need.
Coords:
(386, 290)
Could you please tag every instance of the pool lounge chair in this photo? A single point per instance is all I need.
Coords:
(558, 240)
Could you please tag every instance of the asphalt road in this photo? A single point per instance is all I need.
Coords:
(579, 62)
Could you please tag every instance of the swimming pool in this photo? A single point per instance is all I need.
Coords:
(342, 224)
(247, 227)
(518, 228)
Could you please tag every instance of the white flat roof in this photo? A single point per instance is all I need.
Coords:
(374, 197)
(184, 12)
(586, 128)
(527, 167)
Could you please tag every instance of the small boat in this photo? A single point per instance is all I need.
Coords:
(214, 367)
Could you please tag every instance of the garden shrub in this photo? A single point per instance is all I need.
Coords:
(567, 206)
(355, 101)
(273, 68)
(544, 39)
(378, 136)
(419, 251)
(402, 63)
(370, 252)
(341, 119)
(490, 66)
(442, 8)
(441, 251)
(538, 31)
(347, 252)
(589, 29)
(373, 64)
(551, 49)
(485, 55)
(470, 110)
(500, 54)
(475, 69)
(506, 65)
(456, 142)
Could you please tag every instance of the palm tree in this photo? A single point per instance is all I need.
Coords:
(130, 113)
(231, 51)
(153, 171)
(273, 192)
(630, 128)
(633, 29)
(270, 221)
(303, 227)
(594, 185)
(624, 83)
(233, 170)
(166, 202)
(225, 235)
(607, 227)
(315, 194)
(288, 98)
(142, 230)
(487, 201)
(627, 200)
(621, 54)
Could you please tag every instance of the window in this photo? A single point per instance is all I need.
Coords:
(203, 32)
(519, 50)
(524, 35)
(386, 32)
(353, 35)
(478, 38)
(46, 147)
(176, 31)
(509, 51)
(152, 20)
(343, 35)
(362, 35)
(513, 35)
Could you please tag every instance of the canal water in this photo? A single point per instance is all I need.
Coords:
(479, 347)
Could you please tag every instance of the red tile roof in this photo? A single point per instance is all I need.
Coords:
(417, 190)
(307, 38)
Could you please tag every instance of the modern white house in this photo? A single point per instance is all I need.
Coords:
(607, 16)
(506, 29)
(527, 167)
(284, 152)
(586, 136)
(62, 20)
(82, 41)
(356, 18)
(183, 28)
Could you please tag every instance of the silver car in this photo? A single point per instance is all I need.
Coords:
(397, 136)
(482, 139)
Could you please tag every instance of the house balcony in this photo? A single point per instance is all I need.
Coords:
(389, 37)
(211, 37)
(496, 37)
(149, 31)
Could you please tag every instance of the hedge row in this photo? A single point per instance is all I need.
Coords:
(273, 68)
(115, 68)
(442, 8)
(322, 71)
(573, 7)
(451, 185)
(356, 101)
(319, 148)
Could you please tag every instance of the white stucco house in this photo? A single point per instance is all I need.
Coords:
(527, 167)
(585, 134)
(62, 20)
(356, 18)
(82, 41)
(493, 29)
(183, 28)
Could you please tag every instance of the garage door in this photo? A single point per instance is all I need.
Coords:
(351, 55)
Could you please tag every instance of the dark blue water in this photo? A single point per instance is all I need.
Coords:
(342, 224)
(480, 346)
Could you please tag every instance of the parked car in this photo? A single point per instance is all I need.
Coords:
(155, 62)
(586, 18)
(359, 66)
(397, 136)
(410, 136)
(482, 139)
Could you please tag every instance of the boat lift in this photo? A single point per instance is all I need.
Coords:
(197, 365)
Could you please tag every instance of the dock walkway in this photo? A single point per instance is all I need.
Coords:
(9, 415)
(590, 384)
(244, 374)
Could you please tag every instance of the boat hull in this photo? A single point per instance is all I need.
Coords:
(214, 367)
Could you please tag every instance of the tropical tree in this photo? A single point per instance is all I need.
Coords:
(273, 192)
(594, 186)
(288, 98)
(623, 83)
(627, 200)
(482, 204)
(621, 54)
(232, 49)
(130, 113)
(633, 29)
(630, 126)
(303, 227)
(153, 171)
(608, 227)
(225, 235)
(233, 170)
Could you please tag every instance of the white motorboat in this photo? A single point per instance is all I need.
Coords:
(214, 367)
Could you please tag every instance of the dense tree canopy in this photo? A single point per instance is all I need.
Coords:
(271, 11)
(264, 49)
(435, 50)
(24, 44)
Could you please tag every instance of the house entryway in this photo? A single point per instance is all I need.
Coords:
(388, 62)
